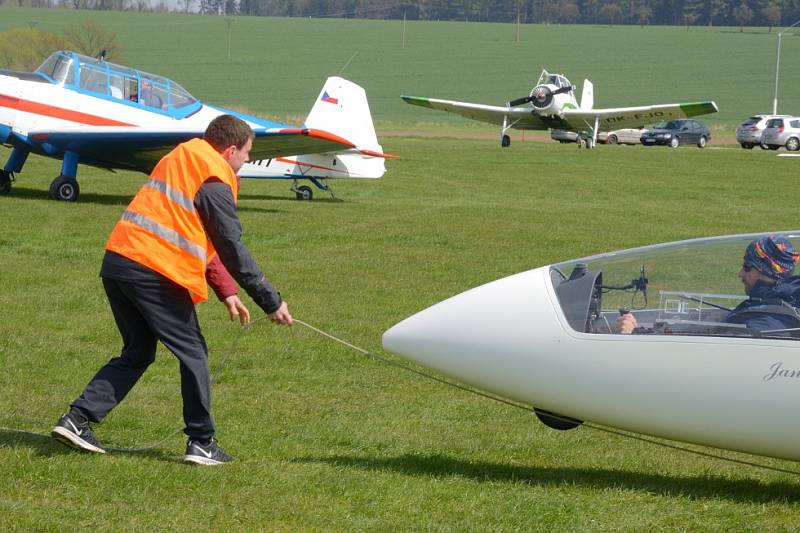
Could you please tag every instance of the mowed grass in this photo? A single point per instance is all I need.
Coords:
(278, 66)
(326, 438)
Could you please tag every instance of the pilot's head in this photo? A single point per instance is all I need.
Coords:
(768, 259)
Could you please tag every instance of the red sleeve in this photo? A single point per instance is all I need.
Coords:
(220, 280)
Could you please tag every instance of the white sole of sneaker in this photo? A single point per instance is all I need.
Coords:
(65, 436)
(194, 459)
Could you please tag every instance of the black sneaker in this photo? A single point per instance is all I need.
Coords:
(76, 435)
(205, 454)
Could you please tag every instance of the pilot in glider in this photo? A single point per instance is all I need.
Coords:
(552, 104)
(85, 110)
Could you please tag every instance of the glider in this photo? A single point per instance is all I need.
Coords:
(550, 342)
(84, 110)
(551, 104)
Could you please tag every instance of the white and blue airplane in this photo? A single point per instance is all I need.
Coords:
(85, 110)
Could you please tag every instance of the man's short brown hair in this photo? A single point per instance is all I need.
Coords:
(227, 130)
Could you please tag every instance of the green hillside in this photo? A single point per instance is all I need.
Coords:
(277, 65)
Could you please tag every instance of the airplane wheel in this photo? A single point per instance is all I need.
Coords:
(5, 183)
(65, 189)
(505, 141)
(556, 421)
(304, 192)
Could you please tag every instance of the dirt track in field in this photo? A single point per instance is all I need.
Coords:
(516, 136)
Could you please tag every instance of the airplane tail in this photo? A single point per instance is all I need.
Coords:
(587, 95)
(342, 109)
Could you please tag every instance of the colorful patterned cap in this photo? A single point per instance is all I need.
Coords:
(773, 256)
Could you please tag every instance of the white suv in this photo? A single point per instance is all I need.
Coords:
(782, 132)
(749, 132)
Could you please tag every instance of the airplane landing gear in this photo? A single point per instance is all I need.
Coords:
(304, 192)
(65, 189)
(505, 141)
(6, 177)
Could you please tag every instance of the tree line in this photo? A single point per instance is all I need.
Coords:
(769, 13)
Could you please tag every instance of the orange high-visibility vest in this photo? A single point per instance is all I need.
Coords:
(161, 228)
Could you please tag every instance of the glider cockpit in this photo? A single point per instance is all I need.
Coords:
(686, 288)
(118, 83)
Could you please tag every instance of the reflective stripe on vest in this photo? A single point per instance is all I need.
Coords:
(172, 194)
(169, 235)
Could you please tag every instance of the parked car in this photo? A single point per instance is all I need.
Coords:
(782, 132)
(623, 136)
(749, 132)
(677, 132)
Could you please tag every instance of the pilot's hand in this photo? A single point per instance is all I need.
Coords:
(236, 309)
(626, 324)
(281, 315)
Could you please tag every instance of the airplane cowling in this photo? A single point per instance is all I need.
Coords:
(541, 97)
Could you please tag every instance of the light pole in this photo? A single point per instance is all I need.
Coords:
(229, 21)
(778, 66)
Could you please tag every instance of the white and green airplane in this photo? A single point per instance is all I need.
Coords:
(553, 105)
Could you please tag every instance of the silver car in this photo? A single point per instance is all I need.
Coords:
(749, 132)
(782, 132)
(563, 136)
(623, 136)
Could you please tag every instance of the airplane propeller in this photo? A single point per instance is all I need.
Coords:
(541, 96)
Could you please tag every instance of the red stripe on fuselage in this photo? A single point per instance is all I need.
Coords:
(57, 112)
(300, 163)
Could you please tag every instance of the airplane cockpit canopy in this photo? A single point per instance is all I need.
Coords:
(107, 80)
(559, 80)
(679, 288)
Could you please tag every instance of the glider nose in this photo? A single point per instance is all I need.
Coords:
(479, 335)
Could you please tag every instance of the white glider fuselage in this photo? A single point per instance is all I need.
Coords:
(733, 393)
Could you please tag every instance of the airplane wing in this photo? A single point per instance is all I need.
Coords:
(140, 149)
(633, 117)
(520, 117)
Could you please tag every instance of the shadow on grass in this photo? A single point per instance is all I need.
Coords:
(85, 198)
(123, 200)
(601, 478)
(324, 199)
(47, 447)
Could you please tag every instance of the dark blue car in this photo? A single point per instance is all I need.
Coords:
(677, 132)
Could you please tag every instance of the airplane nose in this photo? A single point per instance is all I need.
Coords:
(485, 336)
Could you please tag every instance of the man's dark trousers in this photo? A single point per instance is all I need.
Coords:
(147, 311)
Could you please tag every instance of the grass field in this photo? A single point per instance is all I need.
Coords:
(326, 439)
(278, 66)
